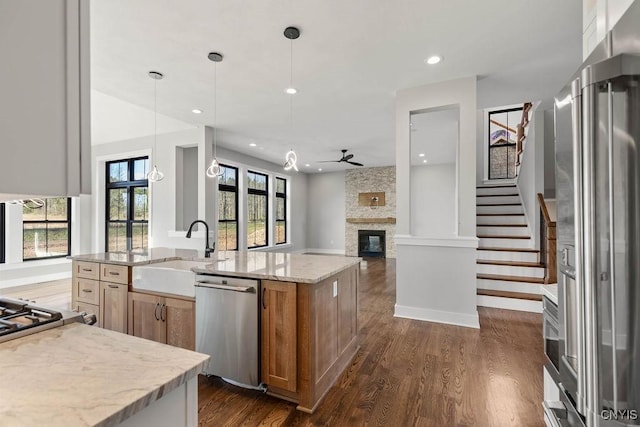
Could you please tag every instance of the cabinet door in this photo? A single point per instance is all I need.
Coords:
(179, 317)
(279, 331)
(144, 317)
(89, 309)
(113, 306)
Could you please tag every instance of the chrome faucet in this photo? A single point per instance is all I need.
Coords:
(207, 249)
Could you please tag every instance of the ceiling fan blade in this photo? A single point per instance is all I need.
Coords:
(347, 157)
(355, 163)
(329, 161)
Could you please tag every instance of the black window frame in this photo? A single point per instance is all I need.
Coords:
(283, 196)
(130, 185)
(46, 222)
(265, 194)
(490, 147)
(230, 189)
(2, 234)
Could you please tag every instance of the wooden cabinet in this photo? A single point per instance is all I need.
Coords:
(279, 331)
(162, 319)
(87, 308)
(309, 336)
(113, 306)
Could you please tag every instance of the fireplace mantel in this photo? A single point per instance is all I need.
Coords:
(388, 220)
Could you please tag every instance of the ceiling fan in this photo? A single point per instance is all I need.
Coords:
(346, 158)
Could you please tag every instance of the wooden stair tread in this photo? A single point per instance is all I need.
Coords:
(533, 280)
(496, 195)
(498, 204)
(494, 236)
(501, 225)
(497, 186)
(499, 214)
(510, 263)
(492, 248)
(506, 294)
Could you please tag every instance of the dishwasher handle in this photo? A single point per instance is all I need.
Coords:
(215, 285)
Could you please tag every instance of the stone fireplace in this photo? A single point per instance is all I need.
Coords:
(378, 216)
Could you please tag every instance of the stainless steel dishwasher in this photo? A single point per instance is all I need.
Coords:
(227, 327)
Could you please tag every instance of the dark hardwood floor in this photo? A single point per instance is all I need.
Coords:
(409, 372)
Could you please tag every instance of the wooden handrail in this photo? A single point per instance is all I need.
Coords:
(503, 126)
(544, 210)
(547, 242)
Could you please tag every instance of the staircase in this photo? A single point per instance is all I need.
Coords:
(509, 272)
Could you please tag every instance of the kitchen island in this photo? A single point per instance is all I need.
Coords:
(308, 310)
(80, 375)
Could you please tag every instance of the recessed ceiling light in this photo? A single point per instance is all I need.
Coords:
(433, 60)
(196, 111)
(421, 155)
(424, 161)
(319, 169)
(291, 90)
(307, 164)
(253, 144)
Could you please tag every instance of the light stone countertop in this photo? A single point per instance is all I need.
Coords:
(551, 292)
(286, 267)
(151, 255)
(80, 375)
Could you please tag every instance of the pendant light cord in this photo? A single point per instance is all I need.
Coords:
(291, 85)
(155, 119)
(215, 109)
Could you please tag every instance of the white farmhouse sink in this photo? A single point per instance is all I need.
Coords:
(170, 277)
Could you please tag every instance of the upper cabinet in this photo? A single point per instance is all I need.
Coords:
(45, 102)
(598, 18)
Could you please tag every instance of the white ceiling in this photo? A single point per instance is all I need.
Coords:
(350, 59)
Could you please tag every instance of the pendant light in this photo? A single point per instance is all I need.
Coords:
(291, 158)
(214, 168)
(155, 175)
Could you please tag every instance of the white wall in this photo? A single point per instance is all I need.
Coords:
(549, 155)
(433, 189)
(326, 213)
(435, 276)
(530, 178)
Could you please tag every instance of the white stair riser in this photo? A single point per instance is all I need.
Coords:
(497, 199)
(510, 303)
(510, 270)
(499, 285)
(508, 256)
(506, 243)
(501, 231)
(496, 190)
(501, 219)
(499, 209)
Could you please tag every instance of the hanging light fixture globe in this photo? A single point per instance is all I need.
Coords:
(214, 168)
(155, 175)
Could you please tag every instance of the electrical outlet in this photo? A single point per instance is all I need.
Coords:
(335, 288)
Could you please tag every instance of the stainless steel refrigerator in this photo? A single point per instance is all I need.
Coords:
(597, 131)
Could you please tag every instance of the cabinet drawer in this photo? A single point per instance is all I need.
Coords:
(114, 273)
(89, 309)
(88, 291)
(86, 270)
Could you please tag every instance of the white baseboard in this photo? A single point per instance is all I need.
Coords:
(510, 303)
(34, 279)
(324, 251)
(437, 316)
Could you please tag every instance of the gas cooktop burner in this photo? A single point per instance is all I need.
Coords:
(21, 316)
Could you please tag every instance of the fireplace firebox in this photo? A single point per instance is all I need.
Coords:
(371, 243)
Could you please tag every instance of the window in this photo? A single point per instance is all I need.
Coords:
(2, 241)
(228, 209)
(46, 229)
(127, 205)
(257, 205)
(502, 142)
(281, 211)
